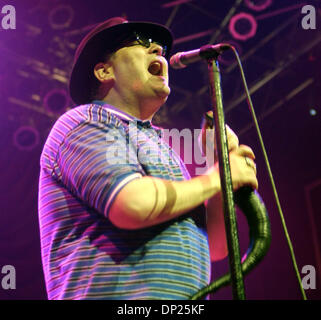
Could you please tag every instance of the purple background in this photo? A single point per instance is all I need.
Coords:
(35, 59)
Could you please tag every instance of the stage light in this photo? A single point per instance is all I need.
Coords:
(56, 101)
(312, 112)
(258, 5)
(26, 138)
(61, 17)
(243, 26)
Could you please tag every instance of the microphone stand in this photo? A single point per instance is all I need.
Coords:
(211, 55)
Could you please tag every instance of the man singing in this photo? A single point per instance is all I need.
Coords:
(116, 220)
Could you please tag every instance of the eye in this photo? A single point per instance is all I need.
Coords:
(146, 42)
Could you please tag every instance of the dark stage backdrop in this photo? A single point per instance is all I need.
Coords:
(282, 62)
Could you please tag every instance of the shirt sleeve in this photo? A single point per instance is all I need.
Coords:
(95, 161)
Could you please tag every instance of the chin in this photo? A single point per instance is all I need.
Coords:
(158, 97)
(163, 92)
(162, 99)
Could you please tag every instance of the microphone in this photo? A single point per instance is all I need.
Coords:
(182, 59)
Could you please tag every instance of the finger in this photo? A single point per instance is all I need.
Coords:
(250, 163)
(248, 180)
(245, 151)
(253, 183)
(232, 139)
(230, 132)
(251, 179)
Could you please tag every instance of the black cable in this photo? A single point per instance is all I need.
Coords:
(256, 215)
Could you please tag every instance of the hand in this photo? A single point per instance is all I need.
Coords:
(243, 168)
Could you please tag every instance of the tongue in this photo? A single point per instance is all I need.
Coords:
(155, 68)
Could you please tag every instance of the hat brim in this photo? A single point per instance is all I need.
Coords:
(93, 49)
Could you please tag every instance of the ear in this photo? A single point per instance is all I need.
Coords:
(103, 72)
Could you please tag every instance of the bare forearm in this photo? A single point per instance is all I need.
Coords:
(216, 228)
(150, 201)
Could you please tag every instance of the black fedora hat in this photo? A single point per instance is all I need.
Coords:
(102, 39)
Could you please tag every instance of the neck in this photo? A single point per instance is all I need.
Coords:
(143, 110)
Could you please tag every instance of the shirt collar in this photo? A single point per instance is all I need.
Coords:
(125, 116)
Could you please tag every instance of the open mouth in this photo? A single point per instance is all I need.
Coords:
(156, 68)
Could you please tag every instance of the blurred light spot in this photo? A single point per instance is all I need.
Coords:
(61, 17)
(56, 101)
(26, 138)
(313, 112)
(243, 26)
(35, 97)
(258, 5)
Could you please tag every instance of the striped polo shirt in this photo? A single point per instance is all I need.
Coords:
(91, 153)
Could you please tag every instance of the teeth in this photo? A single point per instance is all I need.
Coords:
(155, 68)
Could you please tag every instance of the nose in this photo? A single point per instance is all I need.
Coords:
(156, 48)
